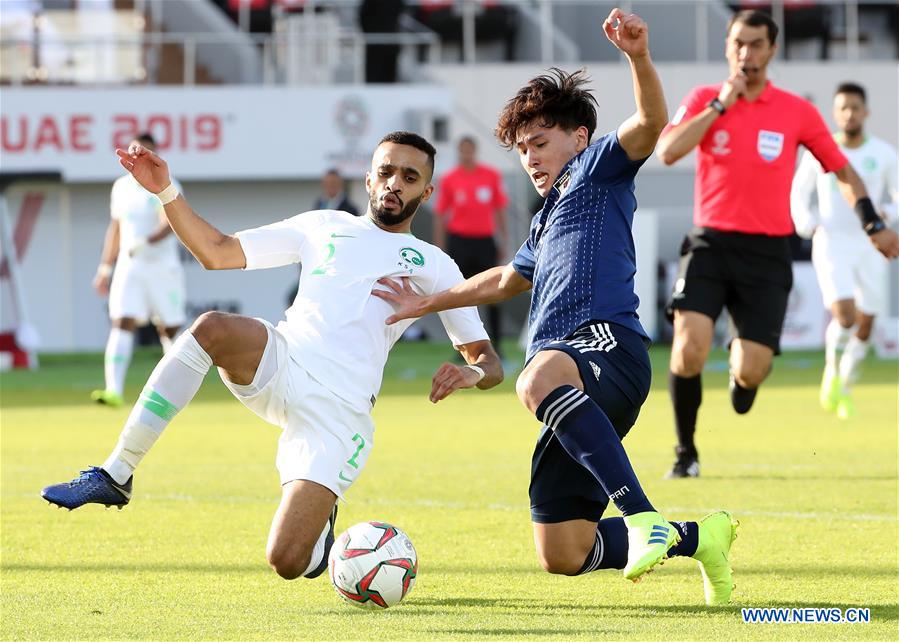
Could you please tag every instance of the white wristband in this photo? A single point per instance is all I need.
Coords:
(479, 370)
(168, 195)
(104, 269)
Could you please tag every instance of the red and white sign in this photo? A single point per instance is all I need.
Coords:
(210, 133)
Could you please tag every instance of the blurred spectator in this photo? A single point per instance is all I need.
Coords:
(493, 21)
(333, 196)
(803, 20)
(381, 16)
(471, 209)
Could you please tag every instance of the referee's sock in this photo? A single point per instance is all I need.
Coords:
(686, 397)
(586, 434)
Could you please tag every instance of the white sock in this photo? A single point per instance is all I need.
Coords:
(318, 551)
(835, 338)
(855, 352)
(171, 386)
(119, 347)
(166, 343)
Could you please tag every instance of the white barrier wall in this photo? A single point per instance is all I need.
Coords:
(209, 133)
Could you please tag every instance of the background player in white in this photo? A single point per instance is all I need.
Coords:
(851, 272)
(148, 283)
(317, 374)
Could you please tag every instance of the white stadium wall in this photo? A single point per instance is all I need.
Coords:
(248, 156)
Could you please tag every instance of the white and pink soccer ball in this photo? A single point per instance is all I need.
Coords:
(373, 565)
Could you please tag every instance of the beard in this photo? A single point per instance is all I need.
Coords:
(389, 219)
(853, 132)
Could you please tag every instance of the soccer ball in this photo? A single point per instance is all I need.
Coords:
(373, 565)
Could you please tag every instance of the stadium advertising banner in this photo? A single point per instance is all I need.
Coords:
(210, 133)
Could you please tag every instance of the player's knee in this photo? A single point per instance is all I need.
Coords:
(864, 328)
(752, 375)
(558, 563)
(687, 359)
(289, 564)
(531, 389)
(210, 330)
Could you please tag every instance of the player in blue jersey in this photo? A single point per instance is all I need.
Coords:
(587, 370)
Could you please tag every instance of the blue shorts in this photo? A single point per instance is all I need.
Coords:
(616, 373)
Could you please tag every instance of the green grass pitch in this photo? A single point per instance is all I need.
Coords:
(817, 499)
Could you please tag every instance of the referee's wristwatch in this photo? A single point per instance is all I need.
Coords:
(717, 105)
(873, 227)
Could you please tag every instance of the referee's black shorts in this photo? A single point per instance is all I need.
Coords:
(473, 255)
(750, 274)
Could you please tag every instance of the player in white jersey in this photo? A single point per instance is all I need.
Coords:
(148, 282)
(851, 272)
(317, 374)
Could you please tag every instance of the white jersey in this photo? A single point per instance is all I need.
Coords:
(139, 213)
(336, 328)
(875, 161)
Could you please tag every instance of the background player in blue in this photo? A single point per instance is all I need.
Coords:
(587, 371)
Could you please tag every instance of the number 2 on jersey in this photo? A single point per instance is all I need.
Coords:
(352, 460)
(326, 263)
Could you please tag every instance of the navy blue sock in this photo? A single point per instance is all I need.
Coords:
(589, 437)
(610, 548)
(689, 539)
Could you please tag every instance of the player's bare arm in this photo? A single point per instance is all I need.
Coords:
(481, 357)
(214, 250)
(853, 190)
(107, 259)
(639, 133)
(680, 140)
(490, 286)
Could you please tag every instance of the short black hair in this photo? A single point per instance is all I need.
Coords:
(852, 88)
(468, 139)
(333, 171)
(755, 18)
(412, 140)
(554, 98)
(145, 138)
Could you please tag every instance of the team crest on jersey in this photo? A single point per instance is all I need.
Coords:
(770, 144)
(411, 258)
(563, 183)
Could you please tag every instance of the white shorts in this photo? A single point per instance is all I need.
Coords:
(324, 439)
(849, 270)
(148, 292)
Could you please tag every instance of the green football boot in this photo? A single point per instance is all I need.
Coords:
(717, 531)
(845, 407)
(830, 391)
(649, 537)
(107, 398)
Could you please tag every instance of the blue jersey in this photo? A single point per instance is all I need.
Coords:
(580, 250)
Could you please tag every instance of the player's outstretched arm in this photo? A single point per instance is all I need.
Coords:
(481, 357)
(853, 190)
(639, 133)
(107, 258)
(214, 250)
(490, 286)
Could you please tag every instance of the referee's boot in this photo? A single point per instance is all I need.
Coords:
(92, 486)
(686, 464)
(741, 398)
